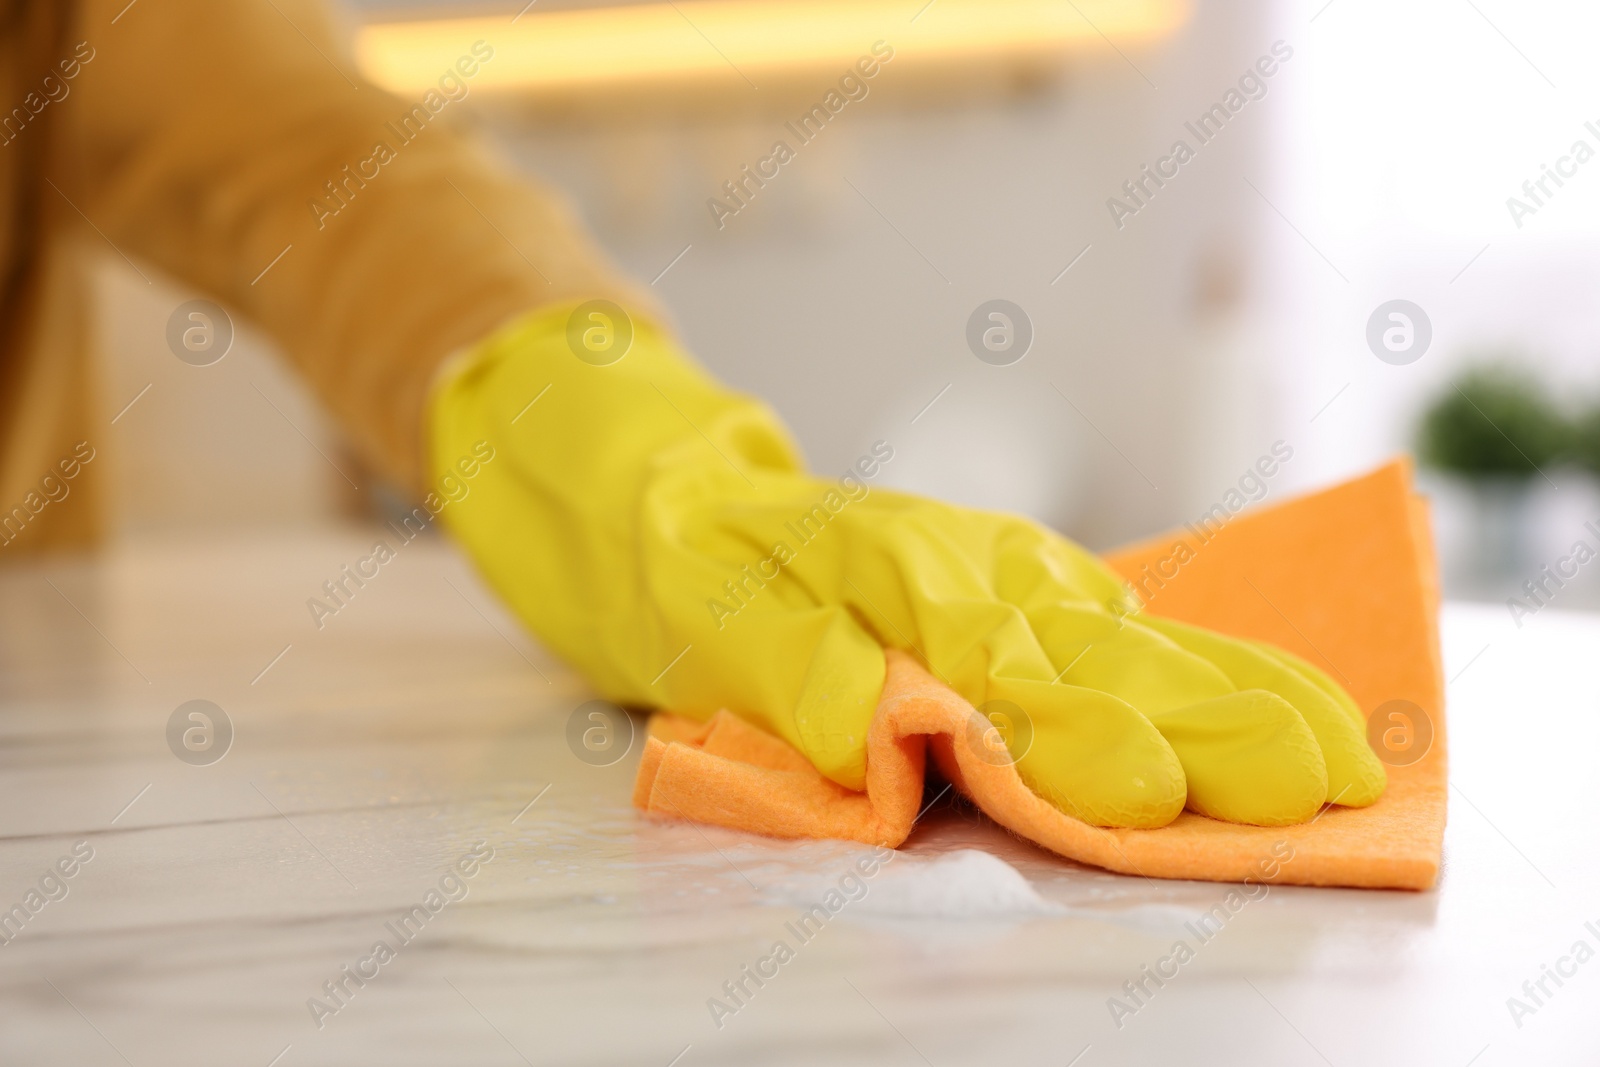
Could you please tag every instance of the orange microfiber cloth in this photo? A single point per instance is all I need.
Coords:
(1344, 578)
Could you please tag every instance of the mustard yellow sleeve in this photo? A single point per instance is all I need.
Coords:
(202, 138)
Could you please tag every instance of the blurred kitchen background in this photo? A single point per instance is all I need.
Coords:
(1230, 312)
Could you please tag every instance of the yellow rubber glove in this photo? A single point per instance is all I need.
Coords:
(659, 532)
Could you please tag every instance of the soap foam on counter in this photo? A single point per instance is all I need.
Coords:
(966, 884)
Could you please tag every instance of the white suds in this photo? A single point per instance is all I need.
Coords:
(967, 884)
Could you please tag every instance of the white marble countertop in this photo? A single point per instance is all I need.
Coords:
(369, 757)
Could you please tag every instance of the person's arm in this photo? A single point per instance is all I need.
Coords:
(657, 530)
(198, 136)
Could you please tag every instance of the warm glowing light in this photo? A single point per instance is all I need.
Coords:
(743, 40)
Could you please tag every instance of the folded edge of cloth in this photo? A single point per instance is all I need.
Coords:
(1365, 611)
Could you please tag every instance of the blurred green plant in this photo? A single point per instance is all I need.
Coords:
(1497, 421)
(1585, 434)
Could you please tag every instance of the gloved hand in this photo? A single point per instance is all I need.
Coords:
(659, 533)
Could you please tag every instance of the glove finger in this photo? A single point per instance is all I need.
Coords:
(1089, 753)
(922, 579)
(1249, 757)
(1118, 655)
(1355, 776)
(1093, 756)
(1316, 678)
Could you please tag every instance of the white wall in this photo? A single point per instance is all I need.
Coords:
(810, 298)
